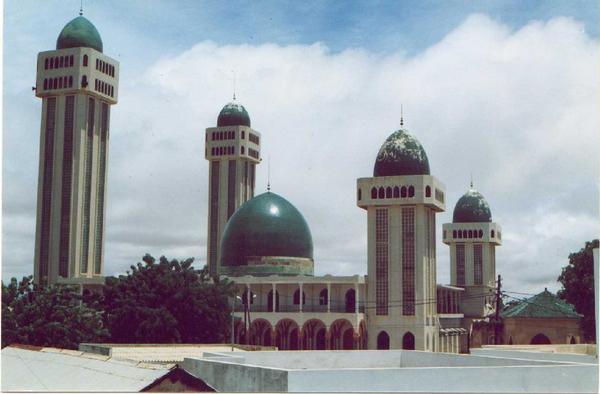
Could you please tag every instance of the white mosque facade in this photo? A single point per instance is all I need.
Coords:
(265, 247)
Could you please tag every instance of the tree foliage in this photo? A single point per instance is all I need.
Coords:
(167, 302)
(577, 281)
(48, 316)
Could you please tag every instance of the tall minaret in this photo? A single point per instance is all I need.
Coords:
(401, 200)
(473, 237)
(77, 84)
(233, 150)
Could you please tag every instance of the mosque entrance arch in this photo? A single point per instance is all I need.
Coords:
(340, 338)
(313, 335)
(408, 341)
(383, 341)
(540, 339)
(260, 332)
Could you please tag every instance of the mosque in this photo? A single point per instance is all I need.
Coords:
(263, 243)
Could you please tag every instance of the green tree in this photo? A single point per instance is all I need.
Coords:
(48, 316)
(577, 281)
(167, 302)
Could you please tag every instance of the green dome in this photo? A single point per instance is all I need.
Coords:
(80, 32)
(472, 208)
(401, 154)
(267, 225)
(233, 114)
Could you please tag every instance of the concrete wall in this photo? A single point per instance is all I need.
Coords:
(226, 374)
(517, 379)
(529, 355)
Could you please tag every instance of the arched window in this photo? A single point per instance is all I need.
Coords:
(323, 297)
(45, 84)
(297, 297)
(373, 193)
(350, 301)
(411, 191)
(388, 192)
(480, 233)
(84, 82)
(403, 192)
(408, 341)
(383, 341)
(61, 62)
(540, 339)
(359, 194)
(51, 63)
(396, 192)
(85, 60)
(212, 151)
(65, 81)
(453, 233)
(242, 150)
(71, 59)
(97, 64)
(56, 65)
(243, 134)
(60, 81)
(492, 234)
(470, 233)
(427, 191)
(459, 234)
(71, 81)
(45, 63)
(381, 193)
(270, 301)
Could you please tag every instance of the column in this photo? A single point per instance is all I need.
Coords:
(274, 298)
(301, 298)
(328, 297)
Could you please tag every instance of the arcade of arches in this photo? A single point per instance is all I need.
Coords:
(312, 335)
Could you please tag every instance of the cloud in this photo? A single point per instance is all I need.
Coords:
(516, 108)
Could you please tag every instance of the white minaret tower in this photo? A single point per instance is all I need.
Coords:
(233, 151)
(401, 200)
(473, 237)
(77, 84)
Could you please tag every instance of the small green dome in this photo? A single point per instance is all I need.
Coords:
(472, 208)
(401, 154)
(233, 114)
(80, 32)
(267, 225)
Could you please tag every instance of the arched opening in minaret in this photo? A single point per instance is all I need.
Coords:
(408, 341)
(388, 192)
(383, 341)
(492, 234)
(85, 60)
(396, 192)
(403, 192)
(373, 193)
(381, 193)
(427, 191)
(411, 191)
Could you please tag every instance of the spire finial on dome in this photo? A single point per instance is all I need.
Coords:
(401, 116)
(471, 180)
(81, 8)
(233, 71)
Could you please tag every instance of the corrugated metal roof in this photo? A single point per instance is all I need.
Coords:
(50, 369)
(543, 305)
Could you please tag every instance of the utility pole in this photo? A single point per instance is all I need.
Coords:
(497, 316)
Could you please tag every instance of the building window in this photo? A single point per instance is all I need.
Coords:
(396, 192)
(478, 264)
(71, 59)
(297, 297)
(45, 84)
(427, 191)
(61, 62)
(388, 192)
(453, 233)
(381, 261)
(373, 193)
(408, 261)
(45, 63)
(411, 191)
(84, 82)
(492, 234)
(243, 134)
(460, 264)
(350, 301)
(470, 233)
(242, 150)
(480, 233)
(85, 60)
(403, 192)
(464, 233)
(323, 297)
(70, 81)
(381, 193)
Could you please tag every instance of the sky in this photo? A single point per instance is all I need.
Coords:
(505, 91)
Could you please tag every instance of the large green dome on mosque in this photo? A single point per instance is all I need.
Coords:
(79, 32)
(233, 114)
(472, 208)
(401, 154)
(266, 226)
